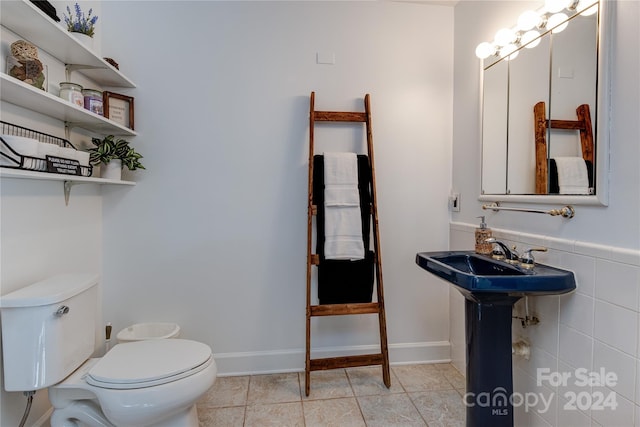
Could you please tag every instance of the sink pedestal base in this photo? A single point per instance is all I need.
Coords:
(489, 366)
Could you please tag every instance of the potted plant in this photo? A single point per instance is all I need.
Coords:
(113, 155)
(81, 26)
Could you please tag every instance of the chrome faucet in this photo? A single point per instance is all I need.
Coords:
(511, 255)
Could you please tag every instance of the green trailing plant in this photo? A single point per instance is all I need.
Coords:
(110, 148)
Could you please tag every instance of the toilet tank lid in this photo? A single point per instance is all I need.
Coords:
(49, 291)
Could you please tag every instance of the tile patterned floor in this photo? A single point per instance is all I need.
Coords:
(420, 395)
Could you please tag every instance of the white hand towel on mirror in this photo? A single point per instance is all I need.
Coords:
(572, 175)
(343, 221)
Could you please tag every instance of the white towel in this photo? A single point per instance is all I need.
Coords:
(21, 145)
(572, 175)
(341, 169)
(343, 221)
(338, 195)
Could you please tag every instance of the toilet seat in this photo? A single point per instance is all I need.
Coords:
(149, 363)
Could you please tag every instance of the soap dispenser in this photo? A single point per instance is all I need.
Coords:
(482, 234)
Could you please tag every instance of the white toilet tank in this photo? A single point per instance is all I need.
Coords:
(48, 330)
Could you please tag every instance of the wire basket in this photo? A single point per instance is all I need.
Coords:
(10, 158)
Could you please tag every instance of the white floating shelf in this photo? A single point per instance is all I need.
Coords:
(68, 181)
(45, 176)
(23, 95)
(33, 25)
(27, 21)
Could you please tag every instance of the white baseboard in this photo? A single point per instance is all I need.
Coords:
(279, 361)
(44, 420)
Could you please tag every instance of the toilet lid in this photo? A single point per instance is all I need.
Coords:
(148, 363)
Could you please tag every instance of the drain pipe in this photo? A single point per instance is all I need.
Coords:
(527, 320)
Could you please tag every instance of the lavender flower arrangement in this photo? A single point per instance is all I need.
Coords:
(80, 23)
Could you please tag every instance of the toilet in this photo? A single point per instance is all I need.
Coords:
(48, 338)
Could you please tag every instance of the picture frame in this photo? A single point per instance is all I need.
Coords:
(118, 108)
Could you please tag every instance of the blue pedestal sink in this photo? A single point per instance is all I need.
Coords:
(490, 288)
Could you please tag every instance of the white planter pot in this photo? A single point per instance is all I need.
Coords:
(112, 170)
(84, 39)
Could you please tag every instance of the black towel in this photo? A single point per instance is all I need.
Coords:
(344, 281)
(554, 187)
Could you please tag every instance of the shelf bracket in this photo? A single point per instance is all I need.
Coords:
(69, 68)
(67, 190)
(67, 128)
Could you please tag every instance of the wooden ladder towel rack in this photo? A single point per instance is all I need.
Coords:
(381, 358)
(541, 124)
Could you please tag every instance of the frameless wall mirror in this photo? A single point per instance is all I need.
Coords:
(544, 106)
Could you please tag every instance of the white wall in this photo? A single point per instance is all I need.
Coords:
(213, 237)
(598, 325)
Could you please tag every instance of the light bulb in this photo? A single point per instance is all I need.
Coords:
(587, 7)
(485, 50)
(530, 39)
(557, 22)
(509, 51)
(505, 36)
(528, 20)
(554, 6)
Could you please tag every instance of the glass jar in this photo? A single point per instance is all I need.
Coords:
(72, 92)
(93, 100)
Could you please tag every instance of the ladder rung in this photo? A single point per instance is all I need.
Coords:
(565, 124)
(346, 362)
(339, 116)
(315, 259)
(314, 209)
(345, 309)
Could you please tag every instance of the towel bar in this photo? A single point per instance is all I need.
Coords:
(565, 212)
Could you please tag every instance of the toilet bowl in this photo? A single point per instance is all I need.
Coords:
(48, 339)
(137, 384)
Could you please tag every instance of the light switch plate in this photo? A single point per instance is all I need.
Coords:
(454, 202)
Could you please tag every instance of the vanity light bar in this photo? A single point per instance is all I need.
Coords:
(527, 32)
(565, 212)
